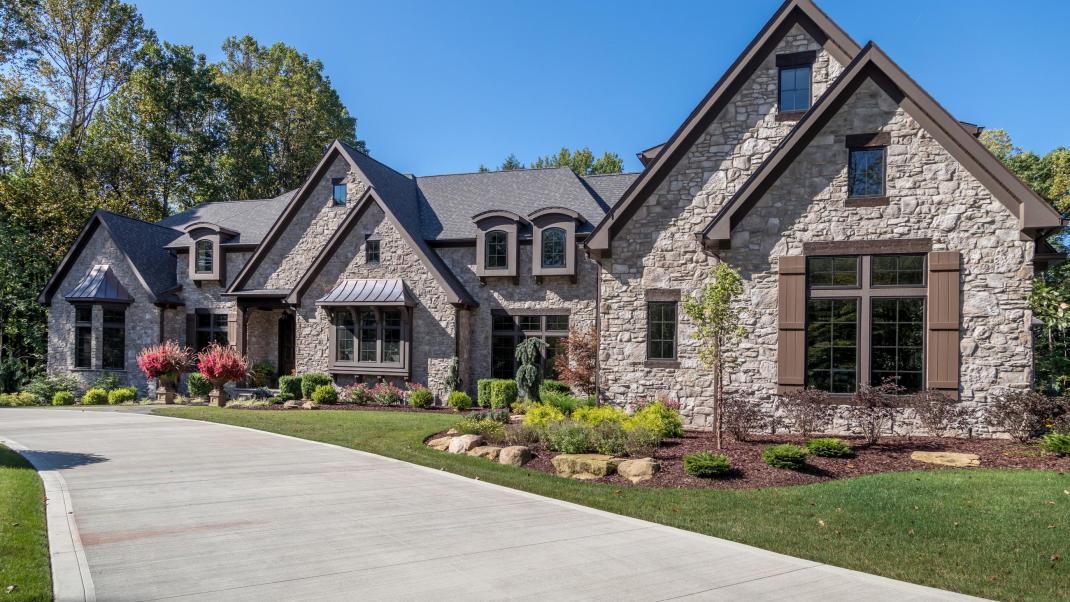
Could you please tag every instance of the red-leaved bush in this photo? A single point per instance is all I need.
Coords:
(165, 361)
(221, 365)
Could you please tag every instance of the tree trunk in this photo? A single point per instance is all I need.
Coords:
(717, 402)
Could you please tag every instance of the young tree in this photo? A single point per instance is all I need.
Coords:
(527, 376)
(511, 163)
(577, 366)
(717, 325)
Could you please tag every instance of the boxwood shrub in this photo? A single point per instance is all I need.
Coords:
(325, 394)
(502, 393)
(312, 381)
(459, 400)
(554, 386)
(63, 398)
(828, 447)
(289, 387)
(421, 397)
(95, 397)
(785, 455)
(122, 395)
(707, 465)
(198, 385)
(483, 392)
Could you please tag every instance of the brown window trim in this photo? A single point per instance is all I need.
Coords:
(868, 247)
(796, 59)
(655, 363)
(868, 140)
(355, 366)
(867, 201)
(519, 334)
(78, 325)
(662, 294)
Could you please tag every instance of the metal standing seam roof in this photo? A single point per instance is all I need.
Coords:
(368, 292)
(99, 284)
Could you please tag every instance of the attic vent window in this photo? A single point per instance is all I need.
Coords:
(339, 191)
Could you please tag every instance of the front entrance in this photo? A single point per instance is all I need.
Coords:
(287, 343)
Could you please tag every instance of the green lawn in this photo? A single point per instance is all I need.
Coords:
(23, 538)
(989, 533)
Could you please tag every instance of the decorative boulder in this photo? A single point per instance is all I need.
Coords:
(515, 455)
(310, 405)
(585, 466)
(947, 458)
(639, 470)
(489, 452)
(453, 432)
(464, 443)
(289, 405)
(441, 443)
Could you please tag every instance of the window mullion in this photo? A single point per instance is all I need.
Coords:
(865, 323)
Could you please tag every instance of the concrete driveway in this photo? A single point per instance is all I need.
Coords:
(182, 510)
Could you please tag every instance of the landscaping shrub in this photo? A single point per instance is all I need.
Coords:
(483, 392)
(289, 387)
(522, 434)
(874, 409)
(261, 393)
(568, 437)
(609, 438)
(740, 417)
(325, 394)
(387, 394)
(43, 387)
(198, 385)
(554, 386)
(658, 418)
(220, 365)
(828, 447)
(501, 416)
(95, 397)
(938, 413)
(16, 400)
(108, 381)
(528, 353)
(63, 398)
(453, 380)
(420, 396)
(166, 362)
(809, 411)
(785, 455)
(491, 430)
(599, 414)
(502, 393)
(642, 442)
(1024, 414)
(263, 374)
(566, 402)
(707, 465)
(1057, 443)
(459, 400)
(311, 381)
(357, 393)
(121, 395)
(542, 414)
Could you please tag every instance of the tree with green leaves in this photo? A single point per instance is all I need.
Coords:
(511, 163)
(717, 317)
(582, 162)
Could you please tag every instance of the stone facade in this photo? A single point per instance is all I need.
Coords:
(656, 248)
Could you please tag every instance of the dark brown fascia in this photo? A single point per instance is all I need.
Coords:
(647, 155)
(802, 12)
(1034, 212)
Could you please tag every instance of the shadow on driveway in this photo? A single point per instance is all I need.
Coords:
(59, 460)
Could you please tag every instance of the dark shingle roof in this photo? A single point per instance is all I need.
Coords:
(143, 243)
(609, 188)
(448, 202)
(250, 219)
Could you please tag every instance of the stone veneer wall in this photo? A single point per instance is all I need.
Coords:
(656, 248)
(142, 317)
(555, 292)
(434, 318)
(931, 196)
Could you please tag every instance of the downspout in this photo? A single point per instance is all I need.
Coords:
(598, 333)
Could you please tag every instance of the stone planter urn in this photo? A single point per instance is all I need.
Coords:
(218, 397)
(165, 392)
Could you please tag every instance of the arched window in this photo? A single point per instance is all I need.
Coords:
(553, 248)
(497, 251)
(205, 256)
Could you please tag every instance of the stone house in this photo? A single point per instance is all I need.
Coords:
(876, 236)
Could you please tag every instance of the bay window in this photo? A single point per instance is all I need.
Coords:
(370, 340)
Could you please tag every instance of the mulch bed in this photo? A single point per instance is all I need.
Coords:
(353, 406)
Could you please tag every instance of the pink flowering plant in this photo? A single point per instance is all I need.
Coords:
(165, 362)
(357, 393)
(221, 365)
(387, 394)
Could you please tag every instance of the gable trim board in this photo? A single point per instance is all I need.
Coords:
(456, 294)
(1034, 213)
(793, 12)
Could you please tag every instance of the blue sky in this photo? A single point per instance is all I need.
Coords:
(442, 86)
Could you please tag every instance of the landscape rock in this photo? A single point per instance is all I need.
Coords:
(489, 452)
(441, 443)
(585, 466)
(453, 432)
(289, 405)
(639, 470)
(947, 458)
(310, 405)
(464, 443)
(515, 455)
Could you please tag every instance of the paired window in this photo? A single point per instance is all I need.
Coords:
(339, 190)
(369, 336)
(205, 260)
(553, 248)
(661, 330)
(371, 251)
(496, 253)
(211, 327)
(508, 331)
(83, 336)
(794, 88)
(865, 172)
(865, 319)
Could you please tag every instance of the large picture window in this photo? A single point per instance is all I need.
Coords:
(113, 339)
(865, 321)
(211, 327)
(369, 340)
(661, 330)
(509, 330)
(83, 336)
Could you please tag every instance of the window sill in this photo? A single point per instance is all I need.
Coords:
(867, 201)
(368, 370)
(661, 363)
(789, 116)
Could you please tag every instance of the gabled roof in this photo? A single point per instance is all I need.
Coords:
(448, 202)
(792, 12)
(99, 285)
(1033, 211)
(250, 219)
(141, 243)
(608, 189)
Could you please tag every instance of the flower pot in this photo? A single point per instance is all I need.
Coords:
(218, 397)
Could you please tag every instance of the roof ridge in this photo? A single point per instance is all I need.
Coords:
(138, 220)
(493, 171)
(350, 148)
(621, 173)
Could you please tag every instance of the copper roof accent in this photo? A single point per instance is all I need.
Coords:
(368, 292)
(98, 286)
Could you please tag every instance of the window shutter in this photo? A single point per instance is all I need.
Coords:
(791, 308)
(232, 331)
(191, 330)
(942, 362)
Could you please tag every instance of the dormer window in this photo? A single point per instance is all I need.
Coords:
(553, 248)
(339, 191)
(496, 255)
(794, 83)
(553, 234)
(205, 260)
